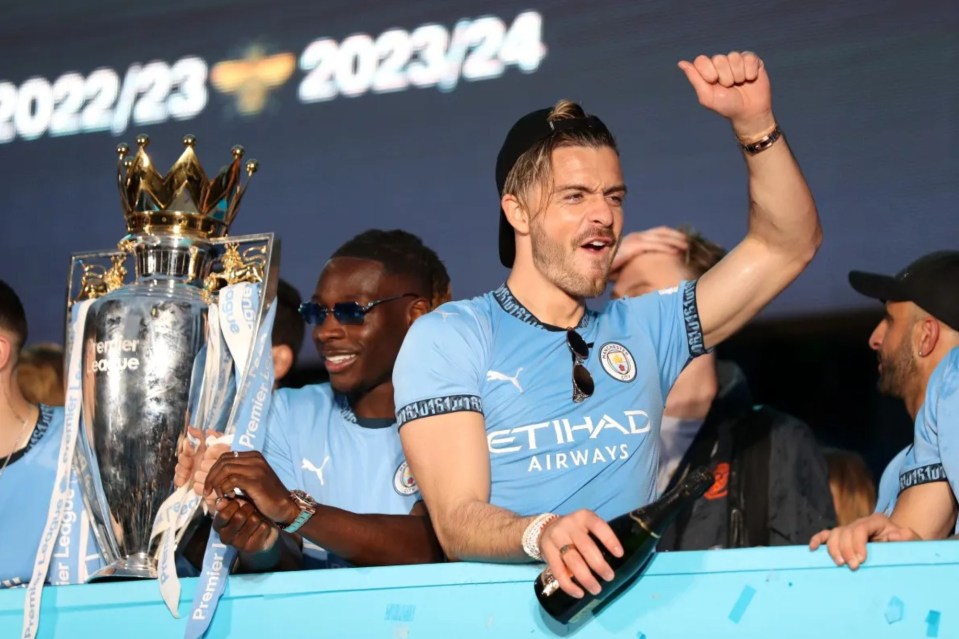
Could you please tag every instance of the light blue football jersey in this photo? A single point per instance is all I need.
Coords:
(490, 355)
(936, 445)
(888, 491)
(315, 443)
(25, 490)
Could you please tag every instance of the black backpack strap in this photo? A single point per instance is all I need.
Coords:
(749, 481)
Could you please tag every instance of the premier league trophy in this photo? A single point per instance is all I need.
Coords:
(166, 350)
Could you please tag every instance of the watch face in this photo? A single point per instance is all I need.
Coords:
(303, 499)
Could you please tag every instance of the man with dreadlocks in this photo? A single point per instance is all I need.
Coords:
(333, 470)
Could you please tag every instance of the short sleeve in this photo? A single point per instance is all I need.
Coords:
(438, 368)
(888, 491)
(277, 449)
(934, 448)
(671, 320)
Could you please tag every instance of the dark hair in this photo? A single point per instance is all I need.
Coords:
(402, 253)
(534, 168)
(12, 316)
(288, 326)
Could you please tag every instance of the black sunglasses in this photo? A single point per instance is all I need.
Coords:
(583, 385)
(347, 313)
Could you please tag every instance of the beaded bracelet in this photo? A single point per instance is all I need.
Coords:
(532, 534)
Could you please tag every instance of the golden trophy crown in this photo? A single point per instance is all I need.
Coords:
(184, 201)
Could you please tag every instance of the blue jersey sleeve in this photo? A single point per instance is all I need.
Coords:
(438, 368)
(888, 491)
(671, 320)
(935, 446)
(278, 449)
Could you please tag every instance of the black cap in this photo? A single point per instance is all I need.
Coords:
(528, 130)
(931, 282)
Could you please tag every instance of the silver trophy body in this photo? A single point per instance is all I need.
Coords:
(141, 344)
(147, 368)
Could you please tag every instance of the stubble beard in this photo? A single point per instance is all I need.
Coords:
(899, 370)
(558, 265)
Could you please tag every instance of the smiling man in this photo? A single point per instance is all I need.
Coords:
(514, 471)
(333, 469)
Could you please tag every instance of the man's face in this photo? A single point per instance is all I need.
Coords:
(893, 345)
(574, 233)
(651, 271)
(360, 357)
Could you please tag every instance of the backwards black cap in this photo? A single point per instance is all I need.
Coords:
(931, 282)
(528, 130)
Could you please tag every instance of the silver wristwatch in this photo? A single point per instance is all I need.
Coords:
(307, 509)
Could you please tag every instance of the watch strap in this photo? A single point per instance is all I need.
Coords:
(307, 509)
(297, 523)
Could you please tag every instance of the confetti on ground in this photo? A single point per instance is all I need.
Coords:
(399, 612)
(745, 597)
(932, 623)
(895, 610)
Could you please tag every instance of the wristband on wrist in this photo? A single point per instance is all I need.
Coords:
(533, 532)
(763, 143)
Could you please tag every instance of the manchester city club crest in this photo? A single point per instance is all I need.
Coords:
(403, 481)
(618, 362)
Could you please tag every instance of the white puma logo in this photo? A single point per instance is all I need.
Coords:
(308, 466)
(496, 376)
(444, 314)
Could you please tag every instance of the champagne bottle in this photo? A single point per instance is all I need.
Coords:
(638, 531)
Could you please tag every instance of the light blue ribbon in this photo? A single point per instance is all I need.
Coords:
(253, 401)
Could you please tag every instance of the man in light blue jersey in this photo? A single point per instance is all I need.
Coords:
(917, 342)
(336, 445)
(527, 418)
(30, 437)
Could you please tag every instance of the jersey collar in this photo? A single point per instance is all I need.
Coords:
(508, 302)
(346, 411)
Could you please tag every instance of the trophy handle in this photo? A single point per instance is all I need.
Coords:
(92, 275)
(249, 258)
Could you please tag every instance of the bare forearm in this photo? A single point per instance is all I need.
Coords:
(374, 540)
(783, 236)
(926, 527)
(782, 213)
(478, 531)
(929, 510)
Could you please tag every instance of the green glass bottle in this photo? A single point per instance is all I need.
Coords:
(638, 531)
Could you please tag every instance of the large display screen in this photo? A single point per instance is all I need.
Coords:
(368, 114)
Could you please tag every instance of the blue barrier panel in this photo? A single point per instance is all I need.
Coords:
(903, 590)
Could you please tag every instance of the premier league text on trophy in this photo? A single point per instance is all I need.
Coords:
(121, 355)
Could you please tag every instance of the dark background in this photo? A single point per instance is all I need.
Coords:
(865, 91)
